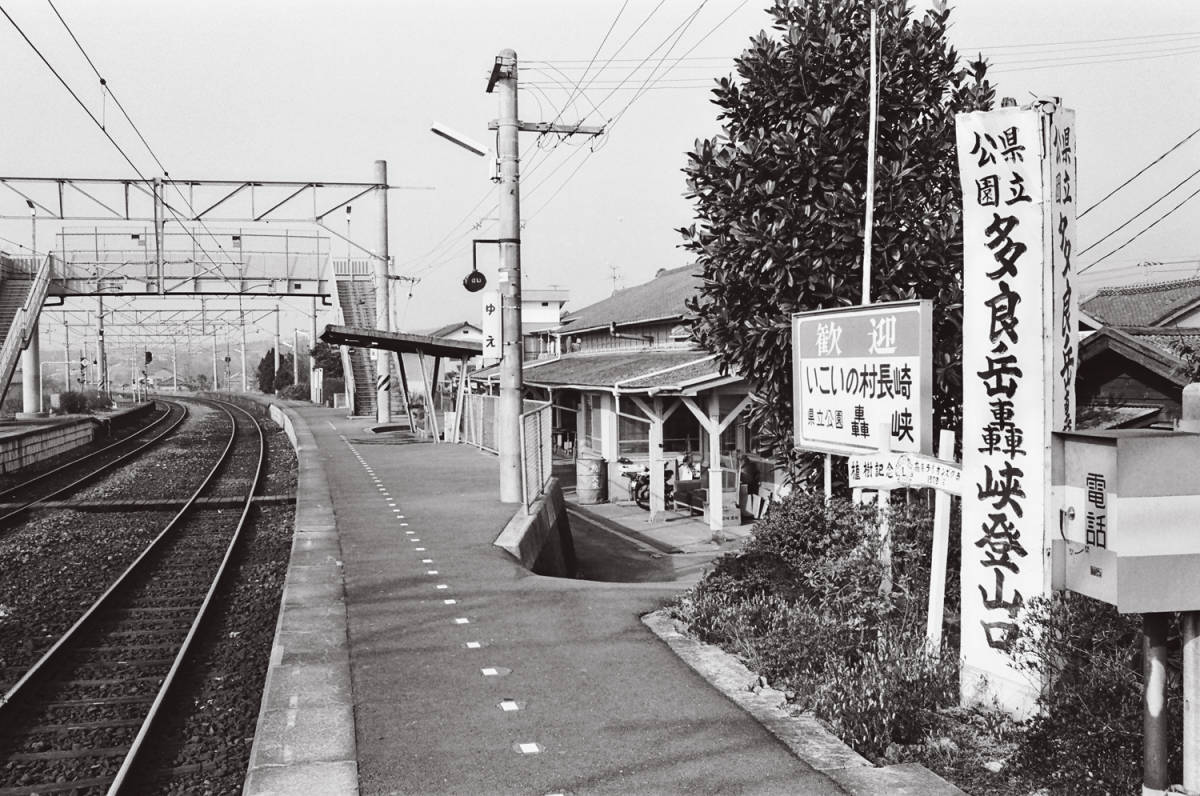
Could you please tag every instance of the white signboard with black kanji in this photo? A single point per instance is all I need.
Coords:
(1017, 167)
(862, 378)
(493, 341)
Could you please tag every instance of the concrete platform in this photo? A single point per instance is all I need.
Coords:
(468, 674)
(414, 656)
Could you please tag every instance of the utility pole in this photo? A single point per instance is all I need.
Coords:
(274, 389)
(175, 365)
(383, 377)
(242, 325)
(512, 385)
(312, 343)
(101, 353)
(66, 354)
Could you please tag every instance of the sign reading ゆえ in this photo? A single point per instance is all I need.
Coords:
(862, 378)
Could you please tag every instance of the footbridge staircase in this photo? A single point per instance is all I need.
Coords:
(24, 283)
(356, 306)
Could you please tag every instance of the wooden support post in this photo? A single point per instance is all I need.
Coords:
(459, 400)
(430, 412)
(1190, 632)
(1154, 704)
(941, 544)
(715, 509)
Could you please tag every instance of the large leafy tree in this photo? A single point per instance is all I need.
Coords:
(780, 192)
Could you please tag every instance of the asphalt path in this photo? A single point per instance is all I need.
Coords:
(472, 675)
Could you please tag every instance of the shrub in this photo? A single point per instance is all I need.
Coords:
(801, 604)
(1088, 736)
(72, 403)
(332, 386)
(96, 399)
(295, 392)
(889, 695)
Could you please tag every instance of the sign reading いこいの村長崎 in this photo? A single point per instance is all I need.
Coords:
(862, 378)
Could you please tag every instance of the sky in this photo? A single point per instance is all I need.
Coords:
(302, 90)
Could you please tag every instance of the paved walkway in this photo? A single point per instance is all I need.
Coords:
(472, 675)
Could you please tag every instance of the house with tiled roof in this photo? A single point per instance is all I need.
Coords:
(1133, 368)
(1175, 303)
(627, 381)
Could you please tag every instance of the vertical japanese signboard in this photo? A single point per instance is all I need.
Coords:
(492, 328)
(862, 378)
(1019, 358)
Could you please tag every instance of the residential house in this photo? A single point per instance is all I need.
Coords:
(628, 383)
(1133, 367)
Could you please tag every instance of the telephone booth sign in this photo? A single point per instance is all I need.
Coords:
(1127, 505)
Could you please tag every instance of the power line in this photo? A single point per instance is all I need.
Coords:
(579, 83)
(1141, 212)
(1141, 171)
(1067, 43)
(1098, 60)
(1143, 232)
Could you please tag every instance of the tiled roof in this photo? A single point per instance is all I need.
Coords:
(661, 297)
(1149, 304)
(623, 370)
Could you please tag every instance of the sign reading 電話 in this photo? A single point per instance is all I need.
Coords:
(862, 378)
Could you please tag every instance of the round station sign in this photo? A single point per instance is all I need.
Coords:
(474, 281)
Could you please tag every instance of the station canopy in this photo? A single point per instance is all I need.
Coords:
(400, 342)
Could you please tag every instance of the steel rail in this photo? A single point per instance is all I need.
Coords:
(99, 470)
(164, 690)
(62, 645)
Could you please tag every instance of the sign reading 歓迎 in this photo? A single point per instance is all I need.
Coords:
(862, 378)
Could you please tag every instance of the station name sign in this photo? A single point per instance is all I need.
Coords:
(862, 378)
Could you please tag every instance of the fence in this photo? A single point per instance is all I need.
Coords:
(536, 451)
(479, 429)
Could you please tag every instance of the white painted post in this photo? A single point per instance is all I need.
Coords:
(715, 522)
(1189, 626)
(657, 479)
(941, 543)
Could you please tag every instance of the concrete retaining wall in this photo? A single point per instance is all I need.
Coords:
(541, 539)
(43, 442)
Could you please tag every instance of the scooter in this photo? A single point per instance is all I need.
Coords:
(639, 483)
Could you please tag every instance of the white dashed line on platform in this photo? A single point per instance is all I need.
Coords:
(431, 572)
(419, 549)
(508, 705)
(528, 748)
(441, 586)
(462, 620)
(426, 560)
(473, 645)
(451, 601)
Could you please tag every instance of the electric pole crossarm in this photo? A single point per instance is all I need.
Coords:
(550, 127)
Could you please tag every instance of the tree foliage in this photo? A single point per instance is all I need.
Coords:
(328, 357)
(780, 192)
(267, 379)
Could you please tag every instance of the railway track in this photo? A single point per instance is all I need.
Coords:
(78, 719)
(19, 499)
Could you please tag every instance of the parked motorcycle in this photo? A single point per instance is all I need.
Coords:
(639, 482)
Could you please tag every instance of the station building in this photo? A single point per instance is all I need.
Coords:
(626, 381)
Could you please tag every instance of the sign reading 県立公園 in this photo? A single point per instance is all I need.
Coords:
(862, 378)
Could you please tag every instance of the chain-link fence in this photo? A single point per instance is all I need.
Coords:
(536, 450)
(479, 421)
(537, 444)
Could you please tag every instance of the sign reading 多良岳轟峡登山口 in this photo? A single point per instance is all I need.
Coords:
(862, 378)
(1019, 356)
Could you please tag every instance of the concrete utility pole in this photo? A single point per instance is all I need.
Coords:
(101, 353)
(275, 389)
(312, 343)
(383, 378)
(242, 326)
(512, 385)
